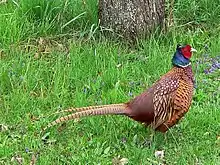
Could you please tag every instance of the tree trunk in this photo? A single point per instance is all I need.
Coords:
(132, 18)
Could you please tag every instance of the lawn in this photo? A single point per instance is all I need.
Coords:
(53, 56)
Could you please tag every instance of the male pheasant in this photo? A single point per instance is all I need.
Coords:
(161, 106)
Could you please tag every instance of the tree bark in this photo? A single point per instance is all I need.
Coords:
(132, 18)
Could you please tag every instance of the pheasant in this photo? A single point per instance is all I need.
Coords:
(161, 106)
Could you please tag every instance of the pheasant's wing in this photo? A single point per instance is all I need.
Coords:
(164, 94)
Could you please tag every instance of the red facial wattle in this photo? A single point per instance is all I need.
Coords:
(186, 51)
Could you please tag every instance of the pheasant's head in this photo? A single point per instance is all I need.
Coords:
(182, 55)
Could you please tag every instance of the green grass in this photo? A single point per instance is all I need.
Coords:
(76, 66)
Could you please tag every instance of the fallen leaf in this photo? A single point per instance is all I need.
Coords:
(119, 161)
(47, 50)
(18, 159)
(37, 55)
(34, 159)
(3, 127)
(124, 161)
(34, 94)
(41, 41)
(218, 140)
(60, 46)
(159, 154)
(198, 162)
(3, 1)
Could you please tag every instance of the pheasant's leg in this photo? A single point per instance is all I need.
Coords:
(165, 136)
(149, 140)
(152, 136)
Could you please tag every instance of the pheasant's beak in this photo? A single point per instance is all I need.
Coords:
(193, 50)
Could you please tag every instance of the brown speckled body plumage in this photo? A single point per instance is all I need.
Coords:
(166, 101)
(161, 106)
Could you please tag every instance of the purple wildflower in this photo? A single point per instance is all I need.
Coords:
(216, 65)
(212, 69)
(26, 150)
(213, 65)
(206, 71)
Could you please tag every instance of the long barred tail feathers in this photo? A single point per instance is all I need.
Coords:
(91, 112)
(80, 109)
